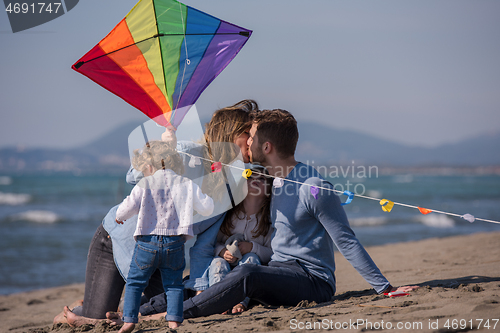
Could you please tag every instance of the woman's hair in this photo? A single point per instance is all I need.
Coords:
(220, 133)
(225, 126)
(263, 215)
(160, 155)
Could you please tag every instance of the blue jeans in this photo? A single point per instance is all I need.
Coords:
(280, 283)
(219, 268)
(201, 255)
(151, 252)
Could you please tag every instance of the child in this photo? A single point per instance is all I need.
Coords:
(250, 220)
(164, 202)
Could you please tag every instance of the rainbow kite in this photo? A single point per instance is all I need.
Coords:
(162, 56)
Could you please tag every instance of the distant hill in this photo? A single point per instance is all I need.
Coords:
(318, 145)
(322, 144)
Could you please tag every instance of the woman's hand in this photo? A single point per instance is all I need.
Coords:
(245, 247)
(224, 253)
(119, 222)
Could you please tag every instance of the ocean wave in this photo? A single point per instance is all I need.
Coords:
(367, 221)
(37, 216)
(14, 199)
(5, 180)
(436, 221)
(374, 194)
(403, 179)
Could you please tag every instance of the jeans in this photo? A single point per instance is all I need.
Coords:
(280, 283)
(151, 252)
(103, 282)
(201, 255)
(219, 268)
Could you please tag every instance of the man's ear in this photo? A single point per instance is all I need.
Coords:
(267, 147)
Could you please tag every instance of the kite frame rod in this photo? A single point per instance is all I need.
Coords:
(241, 33)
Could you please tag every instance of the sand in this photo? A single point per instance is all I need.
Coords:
(460, 291)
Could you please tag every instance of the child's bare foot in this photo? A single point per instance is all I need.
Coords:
(173, 324)
(238, 308)
(127, 328)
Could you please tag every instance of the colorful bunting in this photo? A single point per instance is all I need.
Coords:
(217, 167)
(350, 196)
(278, 182)
(469, 217)
(424, 211)
(386, 205)
(314, 192)
(247, 173)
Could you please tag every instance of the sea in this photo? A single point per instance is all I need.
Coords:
(47, 221)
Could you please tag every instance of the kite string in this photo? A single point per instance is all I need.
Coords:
(333, 190)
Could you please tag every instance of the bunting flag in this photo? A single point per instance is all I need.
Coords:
(424, 211)
(314, 192)
(278, 182)
(468, 217)
(247, 173)
(217, 167)
(386, 205)
(350, 196)
(194, 161)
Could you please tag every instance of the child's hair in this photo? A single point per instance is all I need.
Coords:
(160, 155)
(263, 215)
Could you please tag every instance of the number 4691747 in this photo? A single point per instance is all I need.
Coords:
(34, 8)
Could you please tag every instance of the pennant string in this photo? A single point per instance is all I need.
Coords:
(342, 192)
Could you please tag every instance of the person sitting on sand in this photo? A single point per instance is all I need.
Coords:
(251, 221)
(164, 202)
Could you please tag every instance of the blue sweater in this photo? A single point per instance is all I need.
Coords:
(306, 229)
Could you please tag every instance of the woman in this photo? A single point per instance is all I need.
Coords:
(103, 280)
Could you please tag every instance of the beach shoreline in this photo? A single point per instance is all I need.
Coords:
(460, 291)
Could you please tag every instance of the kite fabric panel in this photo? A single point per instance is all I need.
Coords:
(162, 56)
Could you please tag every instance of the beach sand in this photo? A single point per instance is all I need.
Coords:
(459, 279)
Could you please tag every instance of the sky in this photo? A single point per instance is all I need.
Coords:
(422, 73)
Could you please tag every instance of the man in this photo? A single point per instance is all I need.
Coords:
(307, 225)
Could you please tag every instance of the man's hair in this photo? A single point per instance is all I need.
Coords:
(279, 128)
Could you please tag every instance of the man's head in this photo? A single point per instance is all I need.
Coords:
(273, 132)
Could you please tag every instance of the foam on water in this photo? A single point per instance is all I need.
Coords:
(5, 180)
(368, 221)
(37, 216)
(436, 221)
(14, 199)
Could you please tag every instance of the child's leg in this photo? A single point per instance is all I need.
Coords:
(218, 269)
(172, 265)
(143, 265)
(250, 258)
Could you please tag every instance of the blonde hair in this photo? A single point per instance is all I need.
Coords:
(159, 155)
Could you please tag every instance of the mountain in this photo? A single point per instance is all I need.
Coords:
(323, 144)
(318, 145)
